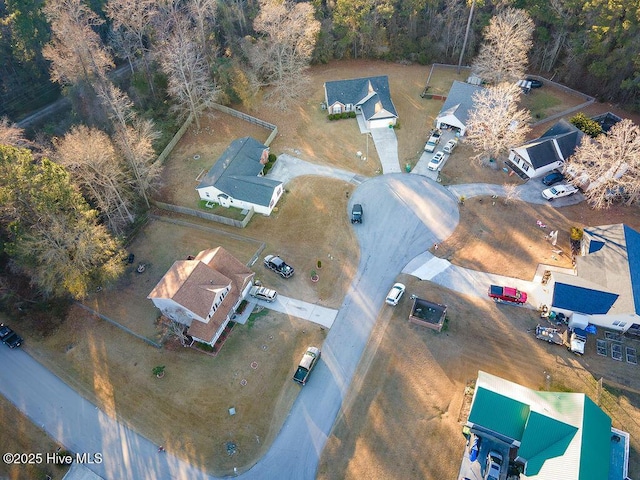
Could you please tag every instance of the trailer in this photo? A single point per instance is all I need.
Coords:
(549, 334)
(575, 342)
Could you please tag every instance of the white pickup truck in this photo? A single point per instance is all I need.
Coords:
(309, 360)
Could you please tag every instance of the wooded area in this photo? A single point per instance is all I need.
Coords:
(592, 46)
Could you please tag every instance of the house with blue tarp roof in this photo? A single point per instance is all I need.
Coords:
(368, 96)
(550, 435)
(605, 291)
(236, 179)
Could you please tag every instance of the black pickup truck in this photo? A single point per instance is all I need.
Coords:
(278, 265)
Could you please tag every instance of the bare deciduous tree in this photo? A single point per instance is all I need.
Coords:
(11, 134)
(282, 55)
(608, 168)
(132, 22)
(183, 61)
(495, 124)
(90, 157)
(507, 41)
(75, 50)
(134, 138)
(203, 13)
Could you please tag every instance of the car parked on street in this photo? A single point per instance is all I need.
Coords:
(436, 161)
(494, 465)
(552, 178)
(559, 191)
(10, 338)
(395, 294)
(356, 213)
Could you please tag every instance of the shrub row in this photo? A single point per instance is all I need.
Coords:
(339, 116)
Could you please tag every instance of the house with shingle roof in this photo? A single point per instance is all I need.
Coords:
(605, 291)
(369, 97)
(456, 108)
(203, 292)
(236, 179)
(546, 153)
(551, 435)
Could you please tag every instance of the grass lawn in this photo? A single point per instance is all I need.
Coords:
(160, 243)
(187, 410)
(401, 418)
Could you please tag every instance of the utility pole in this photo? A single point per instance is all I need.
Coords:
(466, 35)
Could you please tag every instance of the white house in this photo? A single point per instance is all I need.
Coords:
(546, 153)
(369, 97)
(459, 103)
(203, 293)
(606, 288)
(236, 179)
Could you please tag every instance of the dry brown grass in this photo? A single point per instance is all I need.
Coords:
(187, 410)
(400, 419)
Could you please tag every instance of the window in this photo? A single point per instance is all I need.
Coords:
(619, 323)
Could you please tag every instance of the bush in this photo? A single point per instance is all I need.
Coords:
(344, 115)
(272, 157)
(352, 114)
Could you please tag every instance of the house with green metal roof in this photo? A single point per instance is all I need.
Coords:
(605, 290)
(236, 178)
(369, 97)
(551, 435)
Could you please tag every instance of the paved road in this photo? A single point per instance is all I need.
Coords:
(405, 214)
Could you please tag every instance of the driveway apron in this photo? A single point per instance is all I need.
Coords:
(387, 147)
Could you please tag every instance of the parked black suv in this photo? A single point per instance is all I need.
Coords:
(356, 213)
(552, 178)
(9, 337)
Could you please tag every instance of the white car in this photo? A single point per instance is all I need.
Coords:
(395, 294)
(494, 465)
(450, 145)
(559, 191)
(434, 139)
(435, 162)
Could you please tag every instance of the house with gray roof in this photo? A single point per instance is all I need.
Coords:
(236, 179)
(369, 97)
(459, 103)
(549, 435)
(605, 290)
(548, 152)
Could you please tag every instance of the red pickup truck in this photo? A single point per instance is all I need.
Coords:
(507, 294)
